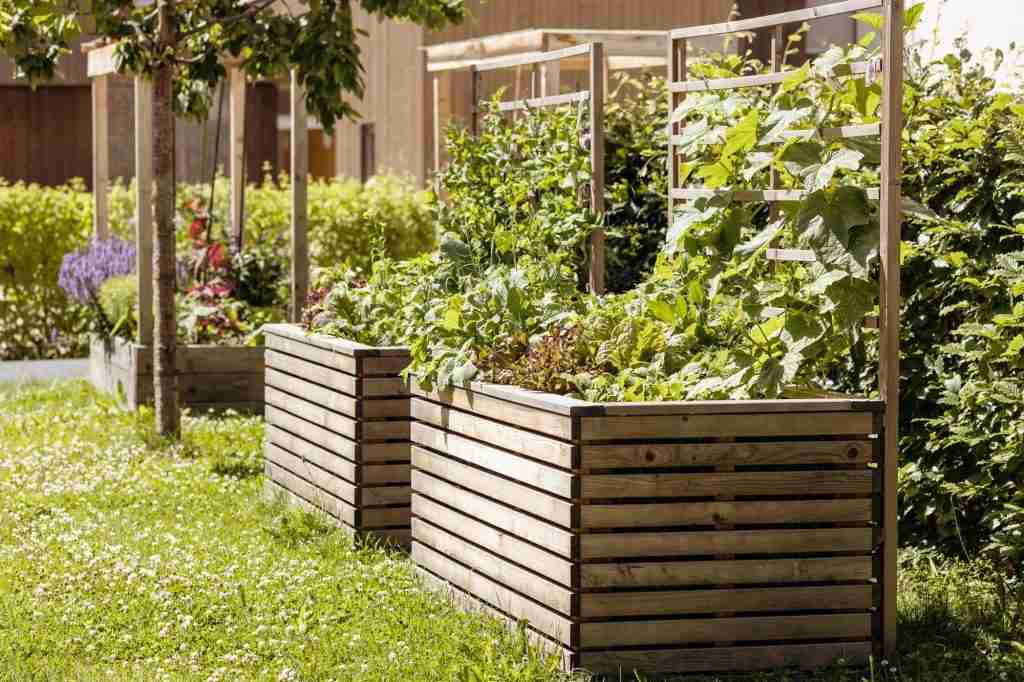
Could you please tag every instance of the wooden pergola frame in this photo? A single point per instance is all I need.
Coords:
(890, 129)
(101, 65)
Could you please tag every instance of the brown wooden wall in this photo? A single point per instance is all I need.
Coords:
(46, 135)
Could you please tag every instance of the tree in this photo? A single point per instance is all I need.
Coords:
(179, 45)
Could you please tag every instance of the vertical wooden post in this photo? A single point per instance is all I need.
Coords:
(237, 153)
(891, 218)
(144, 205)
(442, 114)
(100, 158)
(474, 92)
(676, 71)
(597, 67)
(300, 199)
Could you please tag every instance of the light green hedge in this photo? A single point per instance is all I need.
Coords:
(38, 225)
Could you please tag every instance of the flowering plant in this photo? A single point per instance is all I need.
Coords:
(84, 271)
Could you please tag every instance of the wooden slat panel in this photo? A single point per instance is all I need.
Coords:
(311, 353)
(384, 452)
(496, 540)
(383, 366)
(338, 423)
(752, 195)
(726, 512)
(376, 496)
(385, 523)
(500, 435)
(519, 469)
(384, 408)
(538, 532)
(701, 543)
(313, 393)
(559, 426)
(783, 425)
(496, 595)
(623, 486)
(533, 501)
(381, 517)
(327, 421)
(333, 379)
(335, 485)
(539, 102)
(381, 387)
(552, 595)
(656, 455)
(850, 626)
(805, 656)
(748, 600)
(337, 464)
(337, 508)
(780, 19)
(791, 255)
(709, 573)
(720, 407)
(210, 388)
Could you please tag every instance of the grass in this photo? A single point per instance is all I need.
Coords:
(124, 557)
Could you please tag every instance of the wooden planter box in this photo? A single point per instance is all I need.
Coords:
(338, 420)
(661, 537)
(210, 377)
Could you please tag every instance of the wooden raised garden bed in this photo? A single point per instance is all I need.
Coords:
(662, 537)
(209, 377)
(337, 416)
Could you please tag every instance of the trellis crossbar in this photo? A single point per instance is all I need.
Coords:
(890, 211)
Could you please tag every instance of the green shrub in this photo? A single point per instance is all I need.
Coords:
(38, 225)
(119, 298)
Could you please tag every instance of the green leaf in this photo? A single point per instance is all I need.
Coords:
(743, 136)
(761, 239)
(912, 17)
(662, 310)
(1016, 346)
(872, 19)
(796, 79)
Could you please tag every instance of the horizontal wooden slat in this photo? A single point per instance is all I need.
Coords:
(849, 626)
(333, 379)
(337, 486)
(209, 388)
(840, 133)
(747, 600)
(725, 572)
(338, 423)
(779, 19)
(829, 482)
(535, 502)
(377, 474)
(499, 541)
(311, 353)
(313, 393)
(765, 195)
(658, 455)
(552, 595)
(383, 495)
(783, 425)
(494, 594)
(522, 470)
(319, 498)
(390, 524)
(343, 466)
(758, 80)
(727, 407)
(732, 513)
(381, 387)
(539, 102)
(522, 416)
(548, 402)
(791, 255)
(707, 543)
(531, 58)
(383, 517)
(712, 659)
(389, 365)
(333, 344)
(539, 532)
(551, 450)
(328, 422)
(330, 438)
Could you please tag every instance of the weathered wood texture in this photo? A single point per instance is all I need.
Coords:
(210, 377)
(666, 538)
(338, 429)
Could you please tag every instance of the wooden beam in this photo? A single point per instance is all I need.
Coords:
(236, 148)
(530, 40)
(539, 102)
(100, 157)
(532, 58)
(766, 195)
(771, 20)
(144, 205)
(300, 198)
(99, 59)
(891, 219)
(597, 92)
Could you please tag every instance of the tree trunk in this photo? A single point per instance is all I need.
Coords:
(165, 378)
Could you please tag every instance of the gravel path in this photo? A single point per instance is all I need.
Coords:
(43, 370)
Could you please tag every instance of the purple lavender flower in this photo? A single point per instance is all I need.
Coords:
(83, 272)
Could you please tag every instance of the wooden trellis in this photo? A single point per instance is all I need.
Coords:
(888, 194)
(101, 66)
(546, 92)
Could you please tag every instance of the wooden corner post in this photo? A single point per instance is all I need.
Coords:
(891, 219)
(236, 77)
(144, 205)
(597, 81)
(100, 157)
(300, 199)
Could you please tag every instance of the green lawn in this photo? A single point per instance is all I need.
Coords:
(123, 557)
